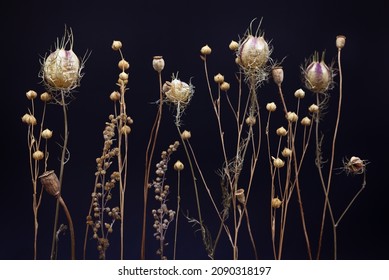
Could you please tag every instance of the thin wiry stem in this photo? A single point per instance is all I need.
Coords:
(178, 213)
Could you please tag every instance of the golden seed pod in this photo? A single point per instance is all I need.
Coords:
(158, 63)
(38, 155)
(45, 97)
(125, 129)
(251, 120)
(224, 86)
(313, 108)
(286, 152)
(240, 196)
(115, 96)
(219, 78)
(178, 166)
(29, 119)
(31, 94)
(276, 202)
(116, 45)
(47, 134)
(123, 76)
(205, 50)
(281, 131)
(254, 52)
(234, 46)
(123, 64)
(50, 182)
(186, 135)
(292, 116)
(299, 93)
(278, 75)
(306, 121)
(61, 69)
(340, 41)
(271, 107)
(278, 163)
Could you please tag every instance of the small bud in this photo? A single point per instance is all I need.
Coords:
(45, 97)
(47, 134)
(116, 45)
(286, 152)
(240, 196)
(178, 166)
(313, 108)
(234, 46)
(206, 50)
(278, 75)
(306, 121)
(276, 203)
(158, 63)
(38, 155)
(225, 86)
(185, 135)
(278, 163)
(250, 120)
(123, 76)
(299, 93)
(50, 182)
(271, 107)
(340, 41)
(219, 78)
(292, 116)
(281, 131)
(123, 65)
(29, 119)
(31, 94)
(114, 96)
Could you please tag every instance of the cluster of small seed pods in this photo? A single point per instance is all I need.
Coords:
(163, 216)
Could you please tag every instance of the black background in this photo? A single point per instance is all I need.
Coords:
(177, 30)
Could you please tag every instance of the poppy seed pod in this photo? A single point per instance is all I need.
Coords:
(278, 75)
(240, 196)
(317, 75)
(50, 182)
(158, 63)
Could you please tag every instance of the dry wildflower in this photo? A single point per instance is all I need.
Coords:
(281, 131)
(224, 86)
(233, 46)
(205, 50)
(47, 133)
(271, 107)
(186, 135)
(31, 94)
(292, 116)
(116, 45)
(178, 92)
(278, 163)
(340, 41)
(299, 93)
(158, 63)
(251, 120)
(125, 129)
(276, 202)
(286, 152)
(29, 119)
(313, 108)
(123, 64)
(38, 155)
(219, 78)
(354, 165)
(45, 97)
(178, 166)
(306, 121)
(115, 96)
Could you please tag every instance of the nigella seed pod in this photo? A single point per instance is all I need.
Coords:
(254, 52)
(50, 182)
(317, 75)
(178, 92)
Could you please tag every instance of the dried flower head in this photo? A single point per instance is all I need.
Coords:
(178, 92)
(292, 116)
(286, 152)
(278, 163)
(299, 93)
(61, 69)
(281, 131)
(306, 121)
(219, 78)
(31, 94)
(251, 120)
(185, 135)
(45, 97)
(271, 107)
(340, 41)
(318, 76)
(29, 119)
(354, 165)
(313, 108)
(47, 134)
(123, 64)
(116, 45)
(233, 46)
(276, 202)
(225, 86)
(178, 166)
(38, 155)
(205, 50)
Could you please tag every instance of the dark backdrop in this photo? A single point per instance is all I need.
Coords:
(177, 30)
